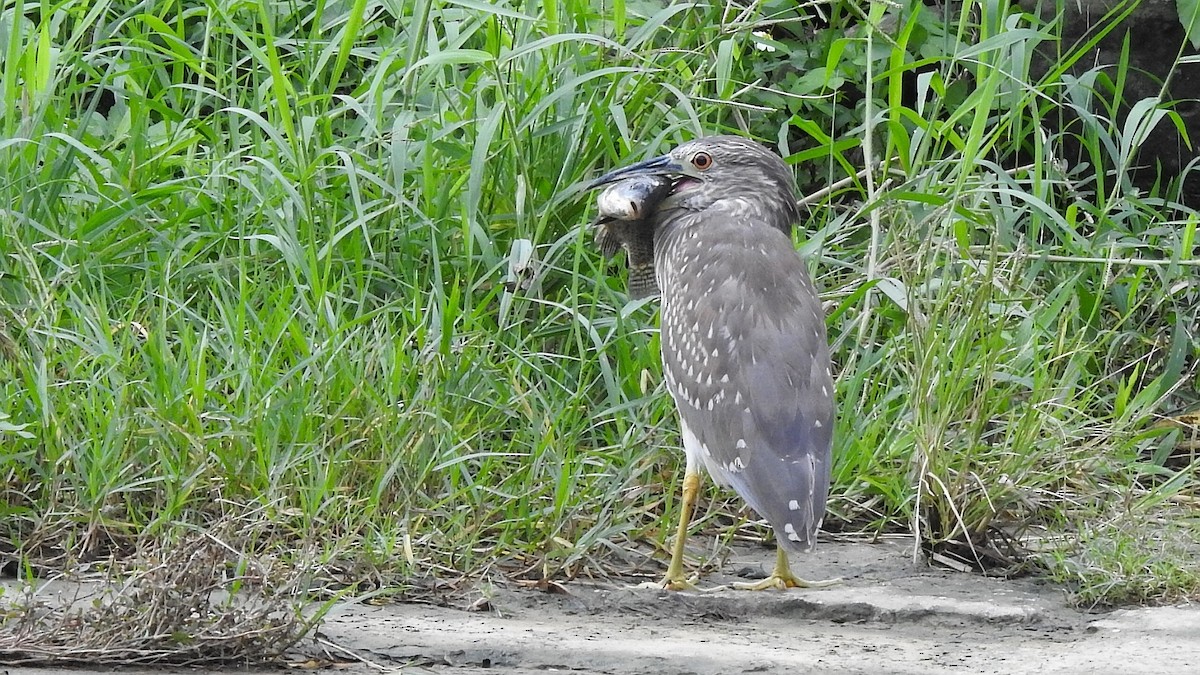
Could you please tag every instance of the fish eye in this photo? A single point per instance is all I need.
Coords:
(702, 160)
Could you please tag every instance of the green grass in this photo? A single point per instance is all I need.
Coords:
(322, 268)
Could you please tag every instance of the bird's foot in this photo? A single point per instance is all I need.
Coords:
(783, 579)
(783, 582)
(673, 583)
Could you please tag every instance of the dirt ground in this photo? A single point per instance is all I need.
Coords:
(889, 615)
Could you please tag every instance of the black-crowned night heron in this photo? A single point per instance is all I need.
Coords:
(743, 336)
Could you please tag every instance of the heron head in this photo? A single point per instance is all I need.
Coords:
(713, 169)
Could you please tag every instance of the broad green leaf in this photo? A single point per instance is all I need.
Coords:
(1189, 17)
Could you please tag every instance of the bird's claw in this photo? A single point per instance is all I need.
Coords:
(673, 583)
(784, 582)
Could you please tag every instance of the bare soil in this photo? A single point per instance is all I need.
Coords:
(889, 615)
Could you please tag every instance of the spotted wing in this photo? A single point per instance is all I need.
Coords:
(746, 358)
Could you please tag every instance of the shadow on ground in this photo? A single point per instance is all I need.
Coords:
(890, 615)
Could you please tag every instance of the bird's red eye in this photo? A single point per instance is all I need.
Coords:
(702, 160)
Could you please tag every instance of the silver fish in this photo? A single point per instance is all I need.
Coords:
(625, 210)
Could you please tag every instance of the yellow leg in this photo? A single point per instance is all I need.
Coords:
(675, 579)
(782, 578)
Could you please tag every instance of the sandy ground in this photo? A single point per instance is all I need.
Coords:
(889, 615)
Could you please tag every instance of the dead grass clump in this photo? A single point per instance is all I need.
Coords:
(187, 602)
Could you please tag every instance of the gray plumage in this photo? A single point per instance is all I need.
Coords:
(744, 349)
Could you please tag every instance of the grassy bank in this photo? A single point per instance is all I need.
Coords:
(322, 272)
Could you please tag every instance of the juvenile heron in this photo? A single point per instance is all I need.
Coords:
(744, 350)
